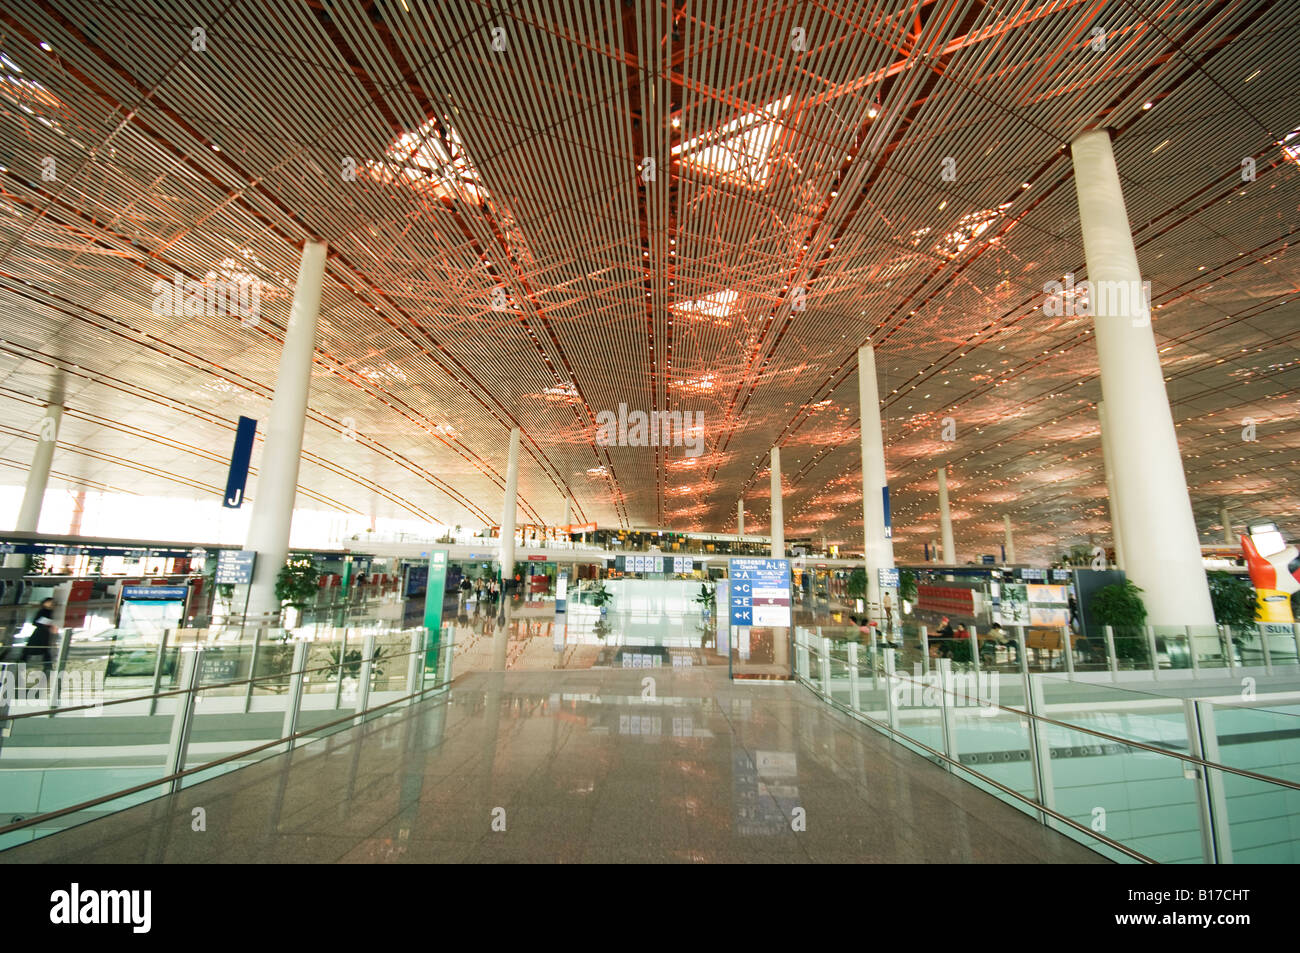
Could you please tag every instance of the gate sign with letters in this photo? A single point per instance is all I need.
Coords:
(760, 592)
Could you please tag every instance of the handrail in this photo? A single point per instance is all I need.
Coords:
(1097, 835)
(48, 712)
(1025, 713)
(170, 778)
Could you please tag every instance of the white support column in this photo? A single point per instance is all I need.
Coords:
(277, 475)
(945, 520)
(740, 517)
(1226, 519)
(778, 512)
(506, 551)
(1107, 459)
(38, 478)
(1010, 544)
(877, 547)
(1162, 549)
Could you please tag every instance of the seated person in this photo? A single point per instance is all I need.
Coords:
(999, 636)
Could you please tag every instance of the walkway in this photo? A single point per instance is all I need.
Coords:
(585, 769)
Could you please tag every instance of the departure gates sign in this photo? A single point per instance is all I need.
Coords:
(760, 592)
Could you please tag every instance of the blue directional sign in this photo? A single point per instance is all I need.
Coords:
(889, 526)
(235, 567)
(759, 591)
(888, 578)
(154, 593)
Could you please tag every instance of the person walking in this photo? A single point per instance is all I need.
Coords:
(39, 649)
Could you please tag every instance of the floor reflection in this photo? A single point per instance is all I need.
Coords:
(674, 765)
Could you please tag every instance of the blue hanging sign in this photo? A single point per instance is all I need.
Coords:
(240, 458)
(889, 527)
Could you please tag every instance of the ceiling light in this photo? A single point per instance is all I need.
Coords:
(1147, 105)
(46, 47)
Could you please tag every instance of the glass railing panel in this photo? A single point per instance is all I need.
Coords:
(1281, 641)
(1132, 649)
(272, 664)
(992, 741)
(1144, 800)
(1209, 646)
(1121, 710)
(1261, 821)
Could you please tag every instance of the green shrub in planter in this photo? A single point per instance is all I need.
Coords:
(1120, 606)
(856, 586)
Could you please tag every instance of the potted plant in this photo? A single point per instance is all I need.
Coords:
(350, 663)
(907, 586)
(856, 587)
(705, 598)
(297, 584)
(1120, 606)
(601, 597)
(1234, 601)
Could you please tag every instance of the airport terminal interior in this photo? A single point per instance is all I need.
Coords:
(624, 431)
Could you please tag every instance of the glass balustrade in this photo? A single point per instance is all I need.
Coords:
(129, 718)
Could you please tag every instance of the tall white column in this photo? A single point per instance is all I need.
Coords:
(740, 517)
(1107, 459)
(778, 511)
(1010, 544)
(1162, 549)
(945, 520)
(38, 478)
(1226, 519)
(877, 546)
(506, 551)
(277, 475)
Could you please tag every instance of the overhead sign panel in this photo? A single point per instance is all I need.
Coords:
(235, 567)
(760, 591)
(240, 458)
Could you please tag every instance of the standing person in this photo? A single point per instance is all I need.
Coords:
(40, 645)
(887, 604)
(945, 634)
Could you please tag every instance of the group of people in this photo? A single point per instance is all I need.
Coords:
(482, 589)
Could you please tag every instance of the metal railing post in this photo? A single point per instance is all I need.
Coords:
(367, 666)
(1040, 750)
(1268, 653)
(158, 667)
(252, 669)
(1067, 646)
(1225, 640)
(1112, 661)
(1196, 746)
(415, 665)
(178, 744)
(1151, 647)
(855, 702)
(975, 652)
(293, 702)
(891, 704)
(60, 665)
(1191, 650)
(925, 651)
(947, 717)
(825, 667)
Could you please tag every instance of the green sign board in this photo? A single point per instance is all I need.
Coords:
(433, 592)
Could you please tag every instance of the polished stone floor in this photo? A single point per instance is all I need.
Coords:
(593, 765)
